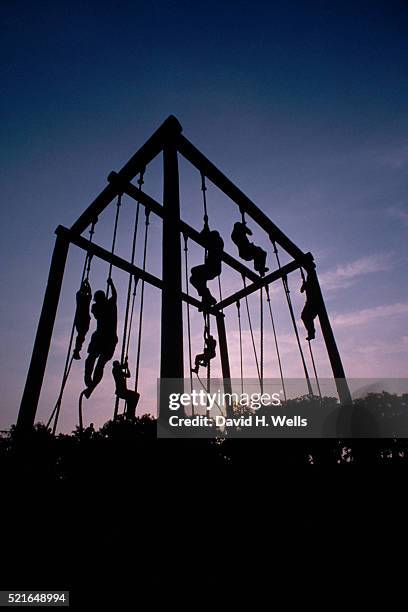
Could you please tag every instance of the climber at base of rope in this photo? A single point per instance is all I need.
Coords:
(103, 340)
(200, 275)
(204, 358)
(82, 317)
(120, 374)
(311, 307)
(248, 250)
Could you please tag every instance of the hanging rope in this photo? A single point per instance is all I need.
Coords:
(311, 350)
(252, 334)
(139, 337)
(292, 316)
(268, 299)
(315, 371)
(203, 386)
(204, 189)
(135, 283)
(190, 356)
(207, 326)
(69, 358)
(261, 325)
(80, 417)
(115, 231)
(130, 299)
(220, 290)
(241, 361)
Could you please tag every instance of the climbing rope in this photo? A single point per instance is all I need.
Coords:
(252, 334)
(115, 231)
(190, 356)
(131, 296)
(220, 290)
(109, 278)
(292, 316)
(311, 350)
(207, 326)
(139, 336)
(204, 189)
(204, 387)
(69, 358)
(261, 325)
(268, 299)
(80, 416)
(241, 361)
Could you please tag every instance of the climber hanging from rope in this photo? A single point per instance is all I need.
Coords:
(200, 275)
(82, 317)
(248, 250)
(211, 268)
(311, 307)
(121, 373)
(103, 340)
(203, 359)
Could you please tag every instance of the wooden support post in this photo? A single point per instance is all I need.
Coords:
(171, 365)
(35, 376)
(223, 348)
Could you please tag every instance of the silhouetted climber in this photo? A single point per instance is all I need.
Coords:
(120, 374)
(211, 268)
(82, 316)
(104, 339)
(311, 307)
(248, 250)
(203, 359)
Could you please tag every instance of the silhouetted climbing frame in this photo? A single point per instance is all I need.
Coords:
(169, 141)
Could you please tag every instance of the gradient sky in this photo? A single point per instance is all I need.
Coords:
(302, 104)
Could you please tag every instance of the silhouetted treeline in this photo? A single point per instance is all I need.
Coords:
(122, 448)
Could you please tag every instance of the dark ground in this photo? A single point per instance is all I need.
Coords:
(103, 513)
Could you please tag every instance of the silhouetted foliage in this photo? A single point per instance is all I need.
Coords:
(116, 452)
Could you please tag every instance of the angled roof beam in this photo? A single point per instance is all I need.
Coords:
(135, 193)
(194, 156)
(151, 148)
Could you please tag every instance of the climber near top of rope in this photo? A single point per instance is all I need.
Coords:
(311, 307)
(104, 339)
(213, 259)
(82, 317)
(248, 250)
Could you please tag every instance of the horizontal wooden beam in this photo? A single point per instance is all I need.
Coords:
(140, 159)
(140, 196)
(97, 251)
(194, 156)
(261, 282)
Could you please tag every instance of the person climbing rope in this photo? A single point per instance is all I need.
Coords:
(311, 307)
(211, 268)
(120, 374)
(82, 317)
(203, 359)
(103, 340)
(248, 250)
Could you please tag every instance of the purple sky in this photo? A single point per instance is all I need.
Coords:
(302, 104)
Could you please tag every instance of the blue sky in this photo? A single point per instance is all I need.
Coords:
(302, 104)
